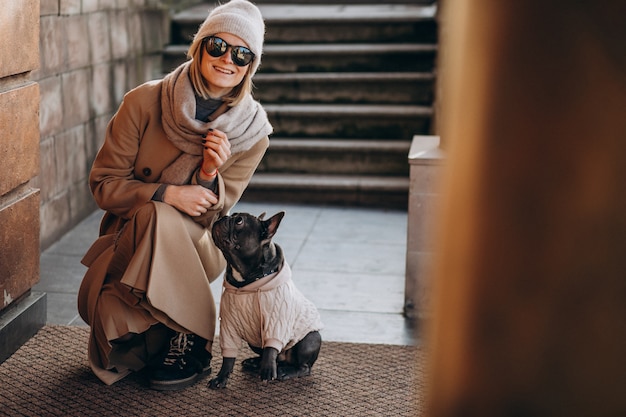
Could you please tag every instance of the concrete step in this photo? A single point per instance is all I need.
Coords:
(349, 57)
(346, 190)
(336, 156)
(297, 23)
(345, 2)
(409, 57)
(346, 87)
(349, 121)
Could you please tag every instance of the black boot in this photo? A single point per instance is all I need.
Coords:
(199, 353)
(178, 369)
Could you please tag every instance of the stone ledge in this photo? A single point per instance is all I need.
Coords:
(425, 150)
(425, 159)
(21, 321)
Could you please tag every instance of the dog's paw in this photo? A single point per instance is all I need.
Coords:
(252, 365)
(218, 383)
(268, 373)
(268, 364)
(289, 372)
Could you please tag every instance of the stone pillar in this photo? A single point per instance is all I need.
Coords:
(22, 312)
(425, 158)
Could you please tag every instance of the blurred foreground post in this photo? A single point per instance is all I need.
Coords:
(530, 276)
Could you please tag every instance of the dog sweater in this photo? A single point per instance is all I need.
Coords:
(270, 312)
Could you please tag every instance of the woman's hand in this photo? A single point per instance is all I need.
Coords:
(216, 152)
(193, 200)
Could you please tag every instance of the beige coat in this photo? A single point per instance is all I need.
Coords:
(165, 275)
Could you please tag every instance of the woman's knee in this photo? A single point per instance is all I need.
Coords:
(145, 214)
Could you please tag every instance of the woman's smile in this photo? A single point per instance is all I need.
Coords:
(223, 70)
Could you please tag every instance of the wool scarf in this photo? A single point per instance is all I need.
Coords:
(244, 125)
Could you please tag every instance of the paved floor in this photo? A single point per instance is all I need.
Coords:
(349, 261)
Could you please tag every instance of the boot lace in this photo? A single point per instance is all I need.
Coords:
(180, 345)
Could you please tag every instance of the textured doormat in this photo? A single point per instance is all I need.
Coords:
(50, 376)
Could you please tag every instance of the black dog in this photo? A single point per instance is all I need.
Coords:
(261, 305)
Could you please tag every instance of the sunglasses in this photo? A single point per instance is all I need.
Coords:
(217, 47)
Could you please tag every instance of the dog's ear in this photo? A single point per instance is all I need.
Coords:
(271, 225)
(261, 216)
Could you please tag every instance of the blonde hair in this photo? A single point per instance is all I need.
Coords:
(200, 84)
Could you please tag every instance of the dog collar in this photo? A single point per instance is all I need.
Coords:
(250, 279)
(255, 275)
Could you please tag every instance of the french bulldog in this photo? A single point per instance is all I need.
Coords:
(261, 305)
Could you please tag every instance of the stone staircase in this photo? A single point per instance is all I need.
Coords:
(346, 86)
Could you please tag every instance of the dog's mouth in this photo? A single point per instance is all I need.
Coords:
(221, 232)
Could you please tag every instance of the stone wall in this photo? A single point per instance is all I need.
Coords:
(92, 53)
(19, 149)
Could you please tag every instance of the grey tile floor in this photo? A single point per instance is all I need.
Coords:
(349, 261)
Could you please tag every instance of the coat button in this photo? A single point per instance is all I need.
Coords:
(147, 172)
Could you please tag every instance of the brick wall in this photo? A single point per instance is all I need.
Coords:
(19, 150)
(92, 53)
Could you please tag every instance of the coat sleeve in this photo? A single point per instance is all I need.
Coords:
(233, 180)
(112, 180)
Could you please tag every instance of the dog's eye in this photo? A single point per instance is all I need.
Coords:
(239, 221)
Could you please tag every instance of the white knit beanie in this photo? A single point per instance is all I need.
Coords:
(240, 18)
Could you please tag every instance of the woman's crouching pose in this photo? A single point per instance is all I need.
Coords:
(177, 155)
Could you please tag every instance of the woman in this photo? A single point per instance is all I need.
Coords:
(178, 154)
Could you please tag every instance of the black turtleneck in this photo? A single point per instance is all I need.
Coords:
(206, 107)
